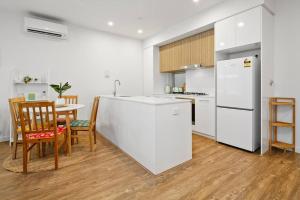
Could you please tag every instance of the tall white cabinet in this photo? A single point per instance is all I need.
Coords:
(247, 34)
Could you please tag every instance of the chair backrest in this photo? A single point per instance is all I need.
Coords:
(70, 99)
(94, 112)
(39, 116)
(14, 110)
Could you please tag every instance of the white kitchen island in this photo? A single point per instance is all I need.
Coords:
(156, 132)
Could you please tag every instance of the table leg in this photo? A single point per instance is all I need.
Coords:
(68, 134)
(74, 113)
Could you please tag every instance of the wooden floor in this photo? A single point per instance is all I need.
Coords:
(215, 172)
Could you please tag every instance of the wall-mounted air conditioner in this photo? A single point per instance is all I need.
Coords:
(42, 27)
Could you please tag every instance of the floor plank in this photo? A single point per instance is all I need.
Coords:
(216, 171)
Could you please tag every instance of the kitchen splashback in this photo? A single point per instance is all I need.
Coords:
(200, 80)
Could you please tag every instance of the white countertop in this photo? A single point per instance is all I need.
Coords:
(154, 100)
(184, 95)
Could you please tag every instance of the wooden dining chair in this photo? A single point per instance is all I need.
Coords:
(16, 126)
(38, 124)
(69, 99)
(87, 125)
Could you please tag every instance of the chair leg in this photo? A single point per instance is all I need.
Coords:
(44, 148)
(56, 154)
(28, 152)
(91, 140)
(72, 139)
(65, 145)
(95, 139)
(15, 146)
(38, 150)
(76, 139)
(25, 158)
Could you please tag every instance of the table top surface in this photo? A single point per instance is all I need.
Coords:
(65, 108)
(69, 107)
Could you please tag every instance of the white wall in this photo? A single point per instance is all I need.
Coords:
(287, 52)
(154, 81)
(148, 63)
(82, 60)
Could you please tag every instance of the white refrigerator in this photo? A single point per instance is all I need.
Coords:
(238, 102)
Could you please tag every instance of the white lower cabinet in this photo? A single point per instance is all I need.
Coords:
(205, 116)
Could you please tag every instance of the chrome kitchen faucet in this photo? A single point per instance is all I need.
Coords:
(115, 87)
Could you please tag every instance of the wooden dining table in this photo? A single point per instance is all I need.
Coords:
(66, 110)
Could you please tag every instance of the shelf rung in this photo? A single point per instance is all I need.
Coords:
(283, 103)
(283, 145)
(283, 124)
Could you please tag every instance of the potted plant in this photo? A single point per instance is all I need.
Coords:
(60, 89)
(27, 79)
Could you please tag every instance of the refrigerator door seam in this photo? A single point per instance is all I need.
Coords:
(235, 108)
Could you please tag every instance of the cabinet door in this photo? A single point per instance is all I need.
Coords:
(186, 51)
(171, 56)
(177, 56)
(202, 116)
(165, 53)
(207, 48)
(195, 49)
(248, 27)
(225, 32)
(163, 57)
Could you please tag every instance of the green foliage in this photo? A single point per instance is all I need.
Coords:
(60, 89)
(27, 79)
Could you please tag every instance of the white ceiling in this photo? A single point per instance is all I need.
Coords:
(128, 15)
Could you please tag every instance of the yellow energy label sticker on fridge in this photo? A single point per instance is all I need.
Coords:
(247, 63)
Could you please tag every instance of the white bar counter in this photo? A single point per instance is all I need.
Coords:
(156, 132)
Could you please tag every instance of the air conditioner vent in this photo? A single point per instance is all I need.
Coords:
(46, 28)
(44, 33)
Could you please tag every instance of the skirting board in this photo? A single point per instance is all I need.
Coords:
(298, 149)
(4, 139)
(204, 135)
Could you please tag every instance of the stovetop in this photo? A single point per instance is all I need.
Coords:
(192, 93)
(196, 93)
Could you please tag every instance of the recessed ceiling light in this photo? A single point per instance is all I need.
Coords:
(140, 31)
(195, 1)
(241, 24)
(110, 23)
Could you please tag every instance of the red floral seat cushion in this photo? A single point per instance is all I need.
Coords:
(45, 135)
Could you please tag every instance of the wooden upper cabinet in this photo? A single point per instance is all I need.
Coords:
(202, 49)
(164, 54)
(207, 48)
(185, 51)
(177, 52)
(197, 49)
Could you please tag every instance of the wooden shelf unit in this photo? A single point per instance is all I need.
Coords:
(274, 123)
